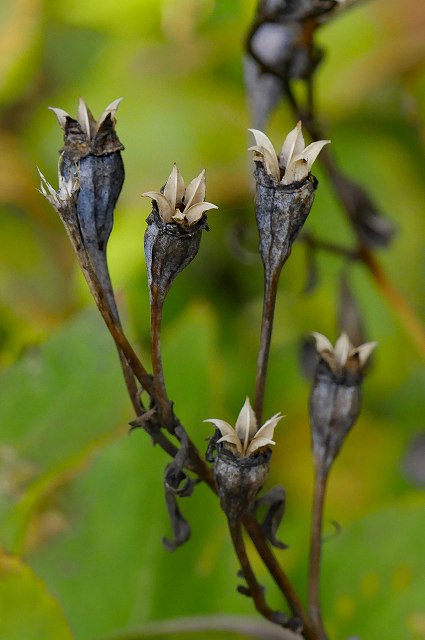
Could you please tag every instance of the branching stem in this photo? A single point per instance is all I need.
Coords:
(279, 576)
(255, 589)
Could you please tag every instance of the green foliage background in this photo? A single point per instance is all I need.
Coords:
(81, 504)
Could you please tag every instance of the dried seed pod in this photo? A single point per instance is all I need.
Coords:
(169, 248)
(243, 459)
(280, 212)
(335, 399)
(284, 193)
(92, 154)
(239, 479)
(174, 229)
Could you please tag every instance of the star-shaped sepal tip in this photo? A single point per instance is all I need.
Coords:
(294, 162)
(245, 438)
(180, 204)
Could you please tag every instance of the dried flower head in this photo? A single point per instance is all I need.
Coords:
(243, 460)
(294, 162)
(343, 356)
(246, 438)
(91, 175)
(92, 155)
(177, 203)
(174, 230)
(335, 398)
(284, 195)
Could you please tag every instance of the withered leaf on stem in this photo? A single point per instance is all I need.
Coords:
(275, 500)
(180, 526)
(178, 483)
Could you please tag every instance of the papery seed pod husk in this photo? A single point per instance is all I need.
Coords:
(281, 211)
(335, 403)
(169, 248)
(239, 479)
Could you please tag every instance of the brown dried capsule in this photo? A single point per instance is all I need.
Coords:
(174, 229)
(284, 193)
(92, 154)
(243, 460)
(335, 399)
(91, 175)
(240, 479)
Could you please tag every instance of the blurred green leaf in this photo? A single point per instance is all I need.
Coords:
(375, 575)
(27, 610)
(57, 405)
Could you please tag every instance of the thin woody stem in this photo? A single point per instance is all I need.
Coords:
(320, 484)
(159, 390)
(269, 303)
(255, 589)
(105, 286)
(103, 305)
(120, 339)
(279, 576)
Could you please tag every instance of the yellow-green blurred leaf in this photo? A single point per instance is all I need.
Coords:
(27, 609)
